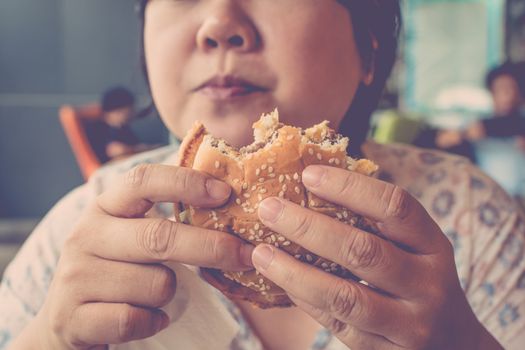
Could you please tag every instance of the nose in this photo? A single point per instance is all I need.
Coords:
(227, 28)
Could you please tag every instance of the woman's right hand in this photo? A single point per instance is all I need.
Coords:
(110, 282)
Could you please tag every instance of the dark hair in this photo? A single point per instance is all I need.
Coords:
(115, 98)
(378, 20)
(514, 70)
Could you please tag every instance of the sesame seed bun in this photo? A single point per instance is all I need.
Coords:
(271, 166)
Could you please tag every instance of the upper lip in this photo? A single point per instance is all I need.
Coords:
(226, 81)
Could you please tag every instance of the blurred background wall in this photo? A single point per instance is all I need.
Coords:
(54, 52)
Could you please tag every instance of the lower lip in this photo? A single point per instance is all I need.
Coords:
(227, 93)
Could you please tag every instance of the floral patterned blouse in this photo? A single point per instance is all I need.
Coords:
(483, 223)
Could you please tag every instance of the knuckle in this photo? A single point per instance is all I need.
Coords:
(304, 224)
(182, 180)
(398, 202)
(139, 175)
(336, 327)
(220, 248)
(162, 285)
(343, 300)
(127, 323)
(361, 251)
(158, 238)
(348, 184)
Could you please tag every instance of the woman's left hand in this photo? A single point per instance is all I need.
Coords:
(416, 301)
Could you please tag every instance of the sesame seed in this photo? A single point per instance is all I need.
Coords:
(311, 151)
(345, 214)
(319, 156)
(276, 244)
(309, 258)
(339, 216)
(331, 161)
(281, 194)
(284, 188)
(287, 243)
(238, 201)
(324, 265)
(245, 186)
(337, 161)
(217, 164)
(263, 190)
(251, 238)
(296, 176)
(264, 166)
(261, 232)
(261, 281)
(236, 181)
(257, 226)
(257, 172)
(281, 178)
(252, 232)
(246, 195)
(242, 230)
(216, 225)
(281, 239)
(270, 169)
(303, 203)
(288, 177)
(260, 197)
(271, 175)
(297, 256)
(297, 190)
(289, 137)
(254, 188)
(312, 203)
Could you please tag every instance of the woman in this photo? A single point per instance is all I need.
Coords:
(225, 62)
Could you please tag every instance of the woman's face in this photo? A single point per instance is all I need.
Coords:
(225, 62)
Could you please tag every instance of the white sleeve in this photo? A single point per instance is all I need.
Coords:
(26, 280)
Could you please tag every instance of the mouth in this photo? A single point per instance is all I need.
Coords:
(228, 87)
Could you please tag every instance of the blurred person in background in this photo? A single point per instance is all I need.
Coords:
(506, 84)
(112, 137)
(498, 140)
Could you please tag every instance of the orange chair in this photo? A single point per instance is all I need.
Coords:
(72, 120)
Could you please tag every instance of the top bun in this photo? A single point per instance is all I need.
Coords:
(271, 166)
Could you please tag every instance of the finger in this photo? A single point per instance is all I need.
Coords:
(146, 184)
(350, 336)
(347, 301)
(153, 240)
(368, 256)
(400, 216)
(145, 285)
(105, 323)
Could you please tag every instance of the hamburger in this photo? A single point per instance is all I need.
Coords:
(271, 166)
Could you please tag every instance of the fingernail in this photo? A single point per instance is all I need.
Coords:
(262, 256)
(313, 176)
(270, 209)
(217, 189)
(246, 254)
(163, 321)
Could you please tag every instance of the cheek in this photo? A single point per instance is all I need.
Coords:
(321, 74)
(167, 52)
